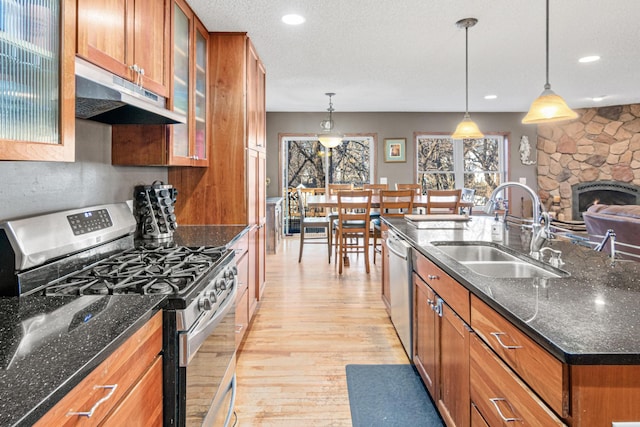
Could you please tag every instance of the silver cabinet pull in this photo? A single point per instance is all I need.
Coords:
(239, 328)
(495, 401)
(433, 277)
(508, 347)
(88, 414)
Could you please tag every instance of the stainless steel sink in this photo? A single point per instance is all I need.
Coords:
(491, 260)
(475, 252)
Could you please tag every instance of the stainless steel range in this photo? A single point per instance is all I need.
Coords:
(92, 251)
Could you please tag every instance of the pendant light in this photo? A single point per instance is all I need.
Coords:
(467, 129)
(328, 137)
(548, 107)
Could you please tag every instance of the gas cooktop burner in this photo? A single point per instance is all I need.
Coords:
(147, 269)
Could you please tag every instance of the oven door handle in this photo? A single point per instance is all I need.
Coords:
(191, 341)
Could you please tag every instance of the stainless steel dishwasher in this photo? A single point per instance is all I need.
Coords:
(401, 290)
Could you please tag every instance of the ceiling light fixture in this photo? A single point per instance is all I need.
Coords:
(293, 19)
(328, 136)
(586, 59)
(490, 96)
(548, 107)
(597, 98)
(467, 129)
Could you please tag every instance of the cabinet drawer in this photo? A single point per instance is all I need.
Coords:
(476, 418)
(456, 295)
(500, 396)
(143, 406)
(540, 370)
(122, 368)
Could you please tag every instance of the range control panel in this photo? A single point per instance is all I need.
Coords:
(89, 221)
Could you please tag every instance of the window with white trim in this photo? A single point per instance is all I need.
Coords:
(445, 163)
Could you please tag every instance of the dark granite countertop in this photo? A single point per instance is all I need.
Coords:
(46, 351)
(590, 317)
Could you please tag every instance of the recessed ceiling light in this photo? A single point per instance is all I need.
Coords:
(597, 98)
(293, 19)
(490, 96)
(592, 58)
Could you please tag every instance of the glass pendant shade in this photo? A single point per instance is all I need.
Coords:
(328, 137)
(467, 129)
(549, 107)
(330, 140)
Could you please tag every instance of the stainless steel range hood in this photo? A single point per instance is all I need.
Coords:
(104, 97)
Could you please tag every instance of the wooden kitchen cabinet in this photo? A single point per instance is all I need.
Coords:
(232, 190)
(179, 144)
(482, 370)
(425, 333)
(501, 396)
(126, 37)
(543, 373)
(36, 124)
(256, 119)
(540, 387)
(441, 339)
(125, 386)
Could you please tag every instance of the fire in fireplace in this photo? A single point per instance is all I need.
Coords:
(586, 194)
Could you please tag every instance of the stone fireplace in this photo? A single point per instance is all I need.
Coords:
(599, 153)
(586, 194)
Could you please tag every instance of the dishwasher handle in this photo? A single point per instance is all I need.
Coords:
(395, 240)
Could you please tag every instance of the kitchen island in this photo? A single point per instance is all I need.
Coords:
(582, 327)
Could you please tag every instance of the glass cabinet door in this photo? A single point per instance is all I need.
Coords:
(200, 143)
(181, 89)
(33, 85)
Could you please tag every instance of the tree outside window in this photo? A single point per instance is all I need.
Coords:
(350, 162)
(478, 164)
(305, 160)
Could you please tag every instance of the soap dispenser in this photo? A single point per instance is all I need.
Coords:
(497, 230)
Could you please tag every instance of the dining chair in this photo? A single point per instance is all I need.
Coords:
(418, 190)
(335, 188)
(375, 188)
(312, 223)
(352, 225)
(443, 201)
(332, 213)
(375, 191)
(415, 187)
(393, 203)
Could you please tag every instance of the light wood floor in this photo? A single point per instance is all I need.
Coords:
(310, 324)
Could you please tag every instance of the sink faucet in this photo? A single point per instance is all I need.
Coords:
(540, 234)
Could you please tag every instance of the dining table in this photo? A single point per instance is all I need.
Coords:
(331, 201)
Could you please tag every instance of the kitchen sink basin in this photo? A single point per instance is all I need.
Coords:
(516, 269)
(476, 252)
(489, 259)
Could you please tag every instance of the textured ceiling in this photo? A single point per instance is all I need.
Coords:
(408, 55)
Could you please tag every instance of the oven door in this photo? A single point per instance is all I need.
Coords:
(208, 351)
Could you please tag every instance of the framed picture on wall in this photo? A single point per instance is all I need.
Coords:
(395, 150)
